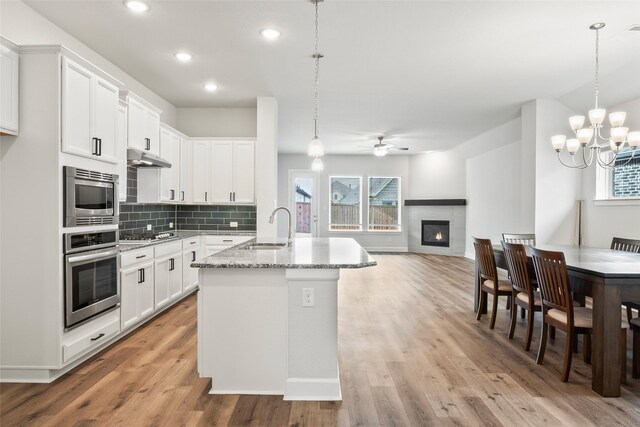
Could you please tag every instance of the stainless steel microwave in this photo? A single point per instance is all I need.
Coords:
(90, 197)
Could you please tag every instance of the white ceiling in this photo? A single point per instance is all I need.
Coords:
(429, 74)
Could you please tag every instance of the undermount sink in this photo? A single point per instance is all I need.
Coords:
(264, 246)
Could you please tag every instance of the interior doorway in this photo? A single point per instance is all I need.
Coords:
(303, 202)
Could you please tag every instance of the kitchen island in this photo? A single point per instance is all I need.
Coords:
(268, 317)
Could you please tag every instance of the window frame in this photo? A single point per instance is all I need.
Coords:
(399, 204)
(330, 224)
(604, 187)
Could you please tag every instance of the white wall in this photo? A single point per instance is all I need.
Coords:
(604, 220)
(557, 187)
(438, 175)
(335, 165)
(22, 25)
(204, 122)
(493, 195)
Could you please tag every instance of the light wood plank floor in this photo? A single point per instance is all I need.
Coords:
(411, 353)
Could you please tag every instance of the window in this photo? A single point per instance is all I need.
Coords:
(346, 208)
(384, 203)
(621, 182)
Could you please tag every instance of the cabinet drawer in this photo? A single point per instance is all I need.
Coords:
(226, 240)
(89, 340)
(135, 257)
(191, 243)
(168, 249)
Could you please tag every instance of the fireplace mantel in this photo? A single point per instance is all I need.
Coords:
(435, 202)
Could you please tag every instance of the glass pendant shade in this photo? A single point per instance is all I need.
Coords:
(617, 119)
(596, 116)
(573, 145)
(317, 165)
(584, 135)
(576, 122)
(618, 134)
(315, 148)
(615, 147)
(379, 151)
(558, 142)
(633, 138)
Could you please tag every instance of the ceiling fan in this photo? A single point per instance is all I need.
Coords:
(381, 149)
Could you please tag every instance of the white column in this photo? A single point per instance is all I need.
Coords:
(266, 166)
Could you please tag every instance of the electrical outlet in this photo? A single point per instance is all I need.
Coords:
(149, 227)
(233, 224)
(308, 297)
(170, 225)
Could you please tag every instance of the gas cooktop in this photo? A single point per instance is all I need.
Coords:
(148, 237)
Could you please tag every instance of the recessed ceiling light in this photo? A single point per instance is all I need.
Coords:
(270, 33)
(210, 87)
(183, 56)
(137, 6)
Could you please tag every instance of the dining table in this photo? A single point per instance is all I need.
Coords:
(607, 276)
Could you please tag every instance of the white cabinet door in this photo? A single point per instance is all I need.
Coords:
(222, 171)
(185, 171)
(175, 276)
(136, 294)
(9, 86)
(129, 281)
(105, 114)
(121, 152)
(76, 110)
(189, 275)
(170, 177)
(200, 168)
(162, 278)
(244, 172)
(146, 291)
(137, 125)
(152, 131)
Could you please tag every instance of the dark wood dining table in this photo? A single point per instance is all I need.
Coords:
(608, 277)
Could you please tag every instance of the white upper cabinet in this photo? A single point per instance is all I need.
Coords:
(185, 171)
(89, 111)
(244, 172)
(121, 150)
(223, 172)
(200, 171)
(9, 87)
(222, 166)
(143, 124)
(170, 146)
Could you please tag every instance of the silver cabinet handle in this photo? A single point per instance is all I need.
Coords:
(91, 257)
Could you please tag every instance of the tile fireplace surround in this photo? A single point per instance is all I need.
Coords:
(452, 210)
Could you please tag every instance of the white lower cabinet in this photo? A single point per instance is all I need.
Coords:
(190, 253)
(136, 293)
(168, 273)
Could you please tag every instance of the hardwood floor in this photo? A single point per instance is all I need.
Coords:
(411, 353)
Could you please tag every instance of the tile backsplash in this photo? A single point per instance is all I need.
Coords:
(216, 217)
(135, 217)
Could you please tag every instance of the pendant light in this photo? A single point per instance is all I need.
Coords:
(317, 165)
(316, 148)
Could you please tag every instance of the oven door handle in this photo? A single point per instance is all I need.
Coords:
(92, 257)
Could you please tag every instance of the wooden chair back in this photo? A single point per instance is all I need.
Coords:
(517, 262)
(523, 239)
(626, 245)
(553, 281)
(486, 259)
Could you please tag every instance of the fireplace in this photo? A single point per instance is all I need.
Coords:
(435, 233)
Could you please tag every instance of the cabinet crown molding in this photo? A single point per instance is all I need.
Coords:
(126, 94)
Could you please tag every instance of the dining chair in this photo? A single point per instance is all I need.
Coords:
(558, 309)
(489, 281)
(633, 246)
(523, 239)
(635, 363)
(523, 292)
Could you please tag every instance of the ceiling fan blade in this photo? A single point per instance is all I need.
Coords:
(398, 148)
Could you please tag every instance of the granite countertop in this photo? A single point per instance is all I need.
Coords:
(305, 253)
(179, 235)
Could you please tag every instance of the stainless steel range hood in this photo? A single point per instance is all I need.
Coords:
(140, 158)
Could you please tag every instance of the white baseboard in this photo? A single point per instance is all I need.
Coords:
(257, 392)
(313, 389)
(387, 249)
(470, 255)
